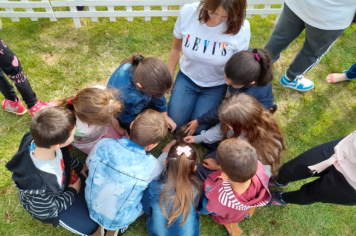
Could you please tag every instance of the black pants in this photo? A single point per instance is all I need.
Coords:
(10, 64)
(330, 187)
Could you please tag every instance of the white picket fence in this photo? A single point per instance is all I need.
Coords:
(166, 7)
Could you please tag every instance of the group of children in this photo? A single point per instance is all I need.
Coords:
(117, 126)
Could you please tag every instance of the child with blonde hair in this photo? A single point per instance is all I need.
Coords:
(170, 203)
(96, 109)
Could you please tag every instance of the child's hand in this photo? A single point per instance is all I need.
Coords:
(76, 185)
(84, 170)
(121, 131)
(211, 164)
(169, 145)
(189, 139)
(171, 124)
(192, 127)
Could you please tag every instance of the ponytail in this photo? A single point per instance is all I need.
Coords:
(183, 187)
(246, 67)
(94, 106)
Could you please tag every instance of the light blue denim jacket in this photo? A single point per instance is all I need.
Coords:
(119, 170)
(134, 100)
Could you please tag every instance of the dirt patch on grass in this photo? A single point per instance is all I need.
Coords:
(50, 58)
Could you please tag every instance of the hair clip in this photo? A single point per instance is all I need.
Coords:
(110, 105)
(70, 101)
(185, 150)
(256, 56)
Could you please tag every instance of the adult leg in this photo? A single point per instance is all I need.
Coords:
(76, 217)
(351, 73)
(317, 43)
(208, 99)
(288, 28)
(331, 187)
(10, 64)
(6, 88)
(297, 168)
(183, 99)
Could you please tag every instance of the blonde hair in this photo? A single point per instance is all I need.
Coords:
(246, 115)
(149, 127)
(183, 187)
(94, 106)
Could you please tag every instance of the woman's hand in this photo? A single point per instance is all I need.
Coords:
(171, 124)
(192, 127)
(169, 145)
(189, 139)
(211, 164)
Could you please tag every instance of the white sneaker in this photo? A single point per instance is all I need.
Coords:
(301, 84)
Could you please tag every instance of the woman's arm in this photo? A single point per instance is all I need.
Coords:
(174, 55)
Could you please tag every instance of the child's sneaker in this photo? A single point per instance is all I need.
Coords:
(276, 199)
(301, 84)
(13, 107)
(273, 182)
(39, 105)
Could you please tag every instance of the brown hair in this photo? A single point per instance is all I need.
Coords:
(246, 116)
(94, 106)
(51, 126)
(180, 133)
(244, 68)
(149, 127)
(238, 159)
(152, 73)
(183, 187)
(236, 10)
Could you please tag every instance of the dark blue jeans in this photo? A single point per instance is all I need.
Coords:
(76, 217)
(189, 101)
(351, 73)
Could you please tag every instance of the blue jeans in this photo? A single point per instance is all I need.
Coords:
(351, 73)
(76, 217)
(189, 101)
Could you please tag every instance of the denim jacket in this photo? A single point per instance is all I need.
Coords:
(134, 100)
(119, 170)
(156, 221)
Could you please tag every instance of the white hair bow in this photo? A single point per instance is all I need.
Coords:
(185, 150)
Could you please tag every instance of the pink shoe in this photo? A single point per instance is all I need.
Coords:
(39, 105)
(13, 107)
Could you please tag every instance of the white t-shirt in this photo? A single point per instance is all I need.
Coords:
(206, 49)
(324, 14)
(54, 166)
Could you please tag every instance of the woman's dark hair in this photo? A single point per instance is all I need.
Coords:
(236, 10)
(152, 73)
(247, 66)
(183, 187)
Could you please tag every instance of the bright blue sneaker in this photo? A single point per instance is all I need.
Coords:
(301, 84)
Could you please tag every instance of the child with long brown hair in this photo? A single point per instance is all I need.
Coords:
(242, 116)
(170, 204)
(143, 82)
(96, 110)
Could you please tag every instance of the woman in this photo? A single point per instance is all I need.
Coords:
(333, 162)
(208, 33)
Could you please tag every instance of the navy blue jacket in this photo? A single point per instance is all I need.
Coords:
(263, 94)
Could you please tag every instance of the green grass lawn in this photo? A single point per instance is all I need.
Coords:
(59, 59)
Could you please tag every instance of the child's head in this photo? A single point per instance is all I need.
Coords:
(243, 114)
(182, 185)
(249, 67)
(237, 159)
(53, 126)
(148, 129)
(94, 106)
(151, 75)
